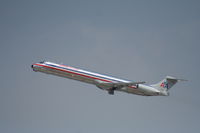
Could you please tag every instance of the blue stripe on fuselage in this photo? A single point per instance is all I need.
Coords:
(82, 73)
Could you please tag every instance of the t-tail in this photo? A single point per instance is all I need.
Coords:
(164, 85)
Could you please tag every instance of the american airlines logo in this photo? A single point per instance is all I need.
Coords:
(164, 84)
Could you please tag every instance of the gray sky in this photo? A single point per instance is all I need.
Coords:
(135, 40)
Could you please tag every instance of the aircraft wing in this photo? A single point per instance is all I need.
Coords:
(117, 84)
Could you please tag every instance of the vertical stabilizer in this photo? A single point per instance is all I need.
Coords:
(166, 83)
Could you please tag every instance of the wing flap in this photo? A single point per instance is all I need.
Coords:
(117, 84)
(121, 84)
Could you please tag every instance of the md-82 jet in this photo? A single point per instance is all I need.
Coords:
(108, 83)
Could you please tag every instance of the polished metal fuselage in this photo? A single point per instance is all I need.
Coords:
(92, 78)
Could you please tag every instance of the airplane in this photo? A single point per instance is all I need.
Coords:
(107, 83)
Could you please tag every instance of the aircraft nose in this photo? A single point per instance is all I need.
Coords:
(33, 67)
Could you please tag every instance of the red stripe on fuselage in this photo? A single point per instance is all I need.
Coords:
(71, 72)
(59, 69)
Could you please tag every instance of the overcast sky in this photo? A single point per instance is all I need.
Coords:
(132, 39)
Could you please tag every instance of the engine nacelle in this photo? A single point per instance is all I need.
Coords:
(148, 89)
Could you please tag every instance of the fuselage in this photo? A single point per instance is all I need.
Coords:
(92, 78)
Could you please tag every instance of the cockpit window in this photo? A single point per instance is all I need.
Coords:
(41, 62)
